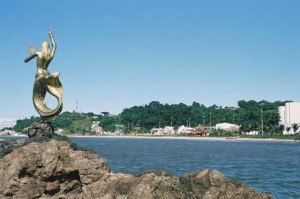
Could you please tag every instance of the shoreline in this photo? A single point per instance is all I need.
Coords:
(231, 139)
(183, 138)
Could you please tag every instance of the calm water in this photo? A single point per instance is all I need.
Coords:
(272, 167)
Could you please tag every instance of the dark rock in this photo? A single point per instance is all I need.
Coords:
(42, 128)
(32, 132)
(41, 167)
(7, 146)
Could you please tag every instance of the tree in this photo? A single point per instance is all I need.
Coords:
(65, 119)
(281, 129)
(288, 128)
(80, 126)
(247, 115)
(21, 125)
(295, 127)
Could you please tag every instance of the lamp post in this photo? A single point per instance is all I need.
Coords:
(262, 119)
(210, 123)
(232, 109)
(139, 126)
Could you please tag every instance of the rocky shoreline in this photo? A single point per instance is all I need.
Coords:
(42, 167)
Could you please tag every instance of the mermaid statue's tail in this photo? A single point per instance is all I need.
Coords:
(52, 85)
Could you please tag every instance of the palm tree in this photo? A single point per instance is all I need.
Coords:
(281, 129)
(288, 128)
(295, 127)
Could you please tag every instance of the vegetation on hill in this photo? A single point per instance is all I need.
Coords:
(248, 115)
(21, 125)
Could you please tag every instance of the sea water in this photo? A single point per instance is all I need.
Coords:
(272, 167)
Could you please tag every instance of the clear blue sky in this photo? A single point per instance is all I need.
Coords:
(116, 54)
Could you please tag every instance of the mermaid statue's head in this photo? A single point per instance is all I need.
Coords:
(45, 49)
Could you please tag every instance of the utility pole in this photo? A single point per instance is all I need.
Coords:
(76, 108)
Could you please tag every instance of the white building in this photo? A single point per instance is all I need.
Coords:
(227, 126)
(183, 130)
(251, 133)
(157, 131)
(168, 130)
(96, 128)
(7, 123)
(289, 114)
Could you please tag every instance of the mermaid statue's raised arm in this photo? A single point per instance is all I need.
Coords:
(54, 46)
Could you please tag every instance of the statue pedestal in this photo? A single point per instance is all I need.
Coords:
(40, 129)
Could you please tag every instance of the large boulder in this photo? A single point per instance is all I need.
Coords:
(54, 168)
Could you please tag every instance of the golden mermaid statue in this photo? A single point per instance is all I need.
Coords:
(44, 81)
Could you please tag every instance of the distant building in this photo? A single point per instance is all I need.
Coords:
(251, 133)
(227, 127)
(58, 131)
(119, 129)
(7, 123)
(8, 131)
(189, 131)
(183, 130)
(105, 113)
(168, 130)
(96, 128)
(157, 131)
(289, 114)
